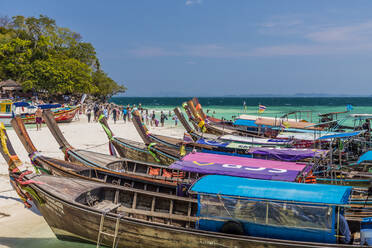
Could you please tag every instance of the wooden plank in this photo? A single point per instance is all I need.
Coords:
(116, 196)
(134, 203)
(158, 215)
(170, 210)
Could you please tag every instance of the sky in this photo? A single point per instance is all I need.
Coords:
(222, 47)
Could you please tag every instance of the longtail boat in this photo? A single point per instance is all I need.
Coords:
(323, 172)
(301, 132)
(323, 175)
(254, 147)
(139, 151)
(98, 167)
(86, 211)
(61, 114)
(186, 175)
(202, 124)
(126, 148)
(204, 127)
(252, 120)
(299, 138)
(141, 168)
(267, 150)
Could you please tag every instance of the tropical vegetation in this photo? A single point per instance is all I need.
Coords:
(44, 57)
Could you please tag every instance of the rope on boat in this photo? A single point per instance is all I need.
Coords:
(22, 187)
(66, 153)
(152, 153)
(33, 157)
(108, 132)
(4, 139)
(112, 149)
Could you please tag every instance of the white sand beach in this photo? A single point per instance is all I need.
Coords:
(22, 227)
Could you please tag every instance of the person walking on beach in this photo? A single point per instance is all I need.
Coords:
(89, 113)
(162, 118)
(114, 114)
(147, 116)
(38, 118)
(105, 112)
(95, 110)
(153, 118)
(143, 115)
(125, 113)
(129, 109)
(175, 120)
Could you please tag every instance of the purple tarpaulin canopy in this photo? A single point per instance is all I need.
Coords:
(205, 163)
(287, 154)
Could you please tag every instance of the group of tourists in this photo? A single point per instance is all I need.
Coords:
(151, 119)
(125, 113)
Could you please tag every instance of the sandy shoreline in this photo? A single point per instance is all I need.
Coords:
(21, 227)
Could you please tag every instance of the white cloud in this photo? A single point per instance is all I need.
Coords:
(281, 23)
(336, 40)
(332, 40)
(202, 50)
(192, 2)
(350, 33)
(146, 51)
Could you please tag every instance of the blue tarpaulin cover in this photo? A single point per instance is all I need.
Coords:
(341, 135)
(21, 104)
(248, 123)
(365, 157)
(273, 190)
(49, 106)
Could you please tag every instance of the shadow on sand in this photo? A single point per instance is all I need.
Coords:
(33, 208)
(41, 242)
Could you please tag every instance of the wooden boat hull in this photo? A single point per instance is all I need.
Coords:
(5, 118)
(137, 151)
(129, 151)
(61, 116)
(77, 223)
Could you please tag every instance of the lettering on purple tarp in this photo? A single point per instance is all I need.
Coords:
(277, 170)
(236, 170)
(236, 166)
(201, 164)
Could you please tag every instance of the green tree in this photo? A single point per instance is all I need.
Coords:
(106, 87)
(15, 58)
(60, 76)
(47, 58)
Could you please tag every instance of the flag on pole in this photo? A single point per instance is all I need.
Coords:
(261, 108)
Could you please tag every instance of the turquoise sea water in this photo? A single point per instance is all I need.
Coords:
(228, 107)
